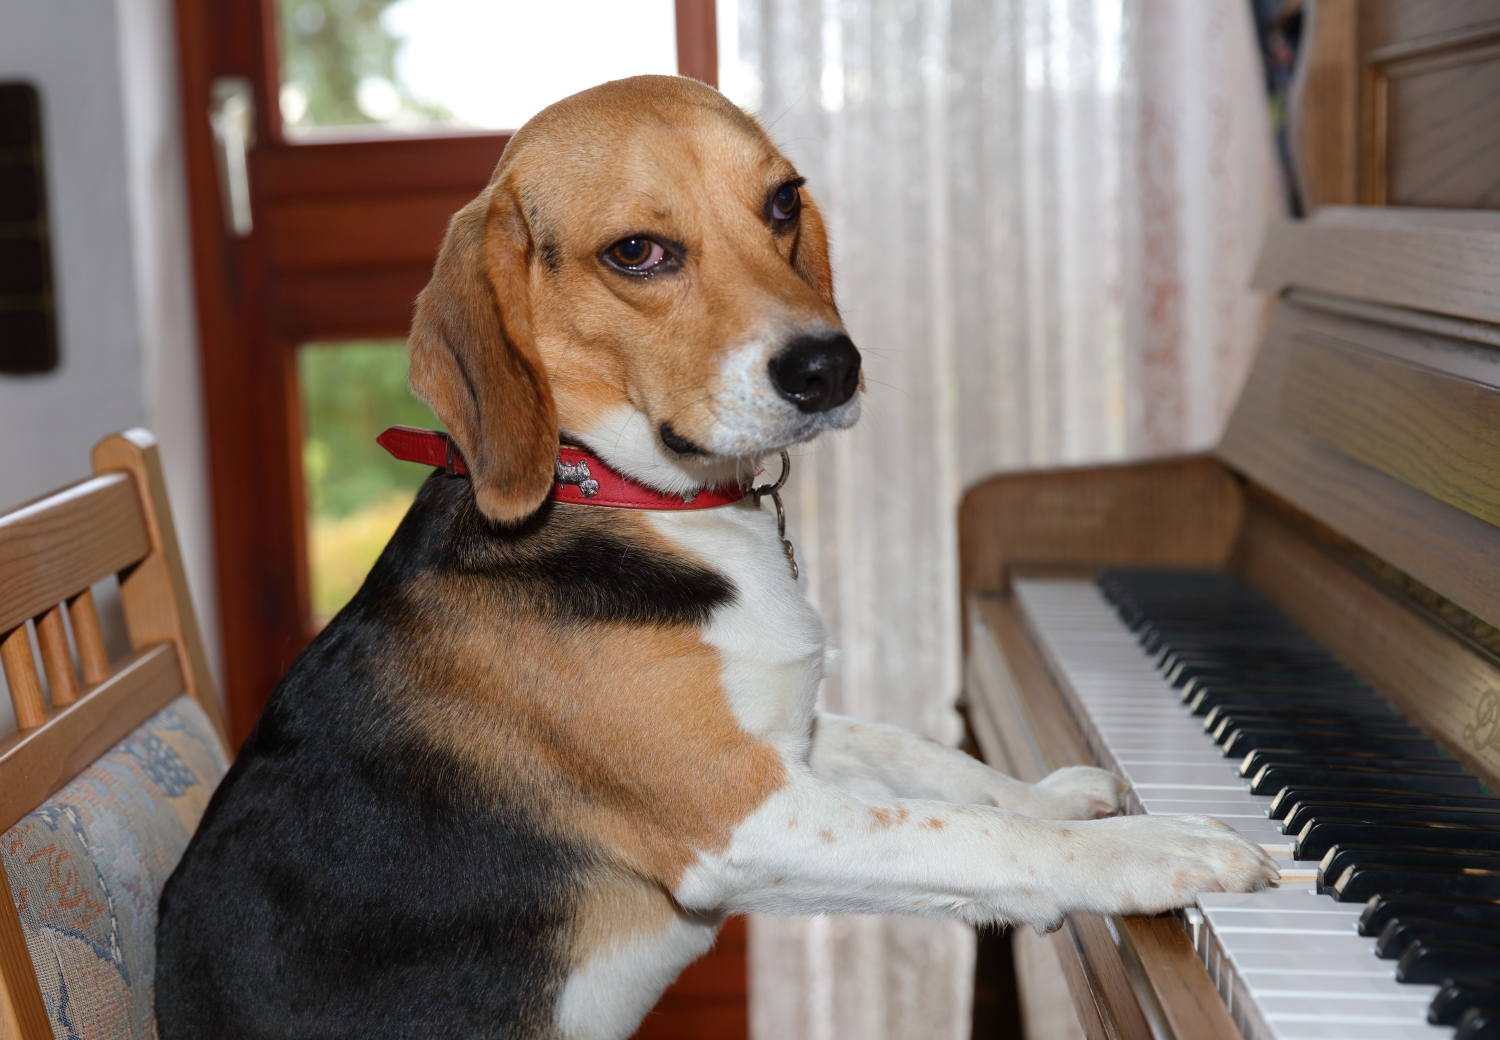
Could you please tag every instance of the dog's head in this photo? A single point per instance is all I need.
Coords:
(646, 272)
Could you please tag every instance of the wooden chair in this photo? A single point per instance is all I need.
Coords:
(101, 788)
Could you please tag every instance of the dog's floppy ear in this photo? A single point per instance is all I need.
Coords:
(810, 259)
(474, 361)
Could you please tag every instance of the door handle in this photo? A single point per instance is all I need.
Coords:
(232, 116)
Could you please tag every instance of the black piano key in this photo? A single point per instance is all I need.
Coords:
(1373, 811)
(1458, 996)
(1248, 656)
(1478, 1023)
(1182, 674)
(1337, 756)
(1340, 858)
(1271, 779)
(1202, 694)
(1381, 910)
(1239, 740)
(1300, 719)
(1366, 712)
(1205, 697)
(1435, 963)
(1218, 723)
(1400, 933)
(1358, 884)
(1284, 685)
(1314, 840)
(1285, 801)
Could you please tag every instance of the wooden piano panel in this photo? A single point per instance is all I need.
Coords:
(1131, 978)
(1398, 103)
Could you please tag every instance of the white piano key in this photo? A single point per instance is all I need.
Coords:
(1187, 776)
(1227, 922)
(1299, 1030)
(1209, 806)
(1289, 962)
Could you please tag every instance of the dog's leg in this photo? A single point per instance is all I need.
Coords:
(815, 848)
(872, 758)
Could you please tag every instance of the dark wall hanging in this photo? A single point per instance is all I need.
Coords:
(28, 322)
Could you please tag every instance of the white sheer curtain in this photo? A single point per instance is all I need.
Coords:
(1044, 216)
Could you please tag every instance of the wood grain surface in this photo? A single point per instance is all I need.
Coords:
(1442, 131)
(1129, 977)
(158, 605)
(1433, 260)
(23, 1012)
(1169, 512)
(1450, 551)
(22, 677)
(1430, 430)
(35, 763)
(57, 657)
(92, 655)
(56, 546)
(1444, 683)
(1324, 129)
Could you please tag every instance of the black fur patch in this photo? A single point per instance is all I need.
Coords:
(676, 442)
(349, 879)
(551, 253)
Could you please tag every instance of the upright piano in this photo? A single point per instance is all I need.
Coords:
(1298, 633)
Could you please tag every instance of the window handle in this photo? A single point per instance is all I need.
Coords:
(232, 116)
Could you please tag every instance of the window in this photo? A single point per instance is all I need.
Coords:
(420, 65)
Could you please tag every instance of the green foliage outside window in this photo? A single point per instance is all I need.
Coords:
(356, 492)
(331, 50)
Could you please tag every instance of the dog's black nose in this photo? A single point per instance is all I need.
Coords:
(817, 373)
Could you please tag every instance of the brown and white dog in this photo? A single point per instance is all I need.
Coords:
(512, 790)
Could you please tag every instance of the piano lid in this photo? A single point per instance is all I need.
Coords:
(1374, 402)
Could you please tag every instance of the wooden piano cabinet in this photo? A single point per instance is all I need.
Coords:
(1360, 496)
(1130, 977)
(1357, 483)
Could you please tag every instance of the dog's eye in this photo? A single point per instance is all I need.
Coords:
(786, 202)
(637, 255)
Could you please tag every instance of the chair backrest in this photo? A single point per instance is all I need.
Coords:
(112, 762)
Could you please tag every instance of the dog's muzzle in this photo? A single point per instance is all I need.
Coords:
(817, 373)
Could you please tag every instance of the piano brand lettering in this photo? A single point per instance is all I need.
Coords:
(1484, 731)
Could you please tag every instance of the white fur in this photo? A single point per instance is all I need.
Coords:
(875, 819)
(606, 998)
(750, 418)
(750, 421)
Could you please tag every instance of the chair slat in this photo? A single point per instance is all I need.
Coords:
(89, 636)
(53, 547)
(22, 678)
(23, 1012)
(154, 595)
(57, 658)
(36, 763)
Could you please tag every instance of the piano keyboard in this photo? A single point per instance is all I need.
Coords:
(1380, 819)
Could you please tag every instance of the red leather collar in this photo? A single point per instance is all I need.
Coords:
(582, 478)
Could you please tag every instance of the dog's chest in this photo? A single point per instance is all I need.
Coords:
(771, 640)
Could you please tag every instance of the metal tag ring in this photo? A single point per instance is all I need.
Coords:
(771, 489)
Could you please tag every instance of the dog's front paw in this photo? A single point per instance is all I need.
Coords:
(1154, 863)
(1077, 793)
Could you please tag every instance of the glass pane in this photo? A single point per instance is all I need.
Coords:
(356, 493)
(411, 65)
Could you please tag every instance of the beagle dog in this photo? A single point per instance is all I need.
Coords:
(514, 787)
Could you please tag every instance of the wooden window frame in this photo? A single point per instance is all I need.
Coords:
(292, 281)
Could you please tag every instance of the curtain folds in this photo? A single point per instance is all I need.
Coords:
(1044, 217)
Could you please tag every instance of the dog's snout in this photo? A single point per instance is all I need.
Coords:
(817, 373)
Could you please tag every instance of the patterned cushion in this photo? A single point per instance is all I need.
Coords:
(87, 866)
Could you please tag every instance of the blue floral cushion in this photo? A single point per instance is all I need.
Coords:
(88, 865)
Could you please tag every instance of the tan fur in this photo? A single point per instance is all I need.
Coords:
(531, 331)
(615, 910)
(619, 735)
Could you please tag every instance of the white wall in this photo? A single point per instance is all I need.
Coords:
(106, 73)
